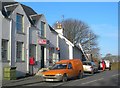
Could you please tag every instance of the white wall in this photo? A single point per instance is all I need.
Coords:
(70, 52)
(77, 53)
(22, 67)
(1, 75)
(66, 48)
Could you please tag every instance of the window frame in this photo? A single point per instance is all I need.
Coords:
(20, 23)
(5, 49)
(21, 52)
(42, 30)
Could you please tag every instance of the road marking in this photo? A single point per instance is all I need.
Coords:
(58, 84)
(93, 81)
(115, 75)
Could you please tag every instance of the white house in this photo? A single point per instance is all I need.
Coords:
(25, 34)
(1, 75)
(15, 25)
(53, 46)
(66, 47)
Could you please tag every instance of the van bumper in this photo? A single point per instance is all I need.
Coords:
(52, 78)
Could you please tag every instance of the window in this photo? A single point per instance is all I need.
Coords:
(4, 50)
(59, 66)
(19, 51)
(32, 50)
(19, 23)
(42, 29)
(69, 66)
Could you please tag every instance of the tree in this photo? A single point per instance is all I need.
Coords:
(79, 32)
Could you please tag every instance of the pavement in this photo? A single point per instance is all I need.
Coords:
(22, 81)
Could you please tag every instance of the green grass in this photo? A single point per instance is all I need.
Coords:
(115, 66)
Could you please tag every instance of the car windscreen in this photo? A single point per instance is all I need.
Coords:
(59, 66)
(86, 63)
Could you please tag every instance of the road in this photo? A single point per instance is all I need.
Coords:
(106, 78)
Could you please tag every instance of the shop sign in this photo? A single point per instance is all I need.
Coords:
(42, 41)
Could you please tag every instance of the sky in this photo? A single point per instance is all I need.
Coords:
(102, 17)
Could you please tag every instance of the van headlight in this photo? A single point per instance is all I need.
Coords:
(58, 75)
(42, 75)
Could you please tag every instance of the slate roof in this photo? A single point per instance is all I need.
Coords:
(29, 11)
(5, 4)
(51, 29)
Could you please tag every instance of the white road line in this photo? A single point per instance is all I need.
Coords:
(93, 81)
(98, 79)
(115, 75)
(58, 84)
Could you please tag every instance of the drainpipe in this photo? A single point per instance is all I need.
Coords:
(27, 48)
(10, 41)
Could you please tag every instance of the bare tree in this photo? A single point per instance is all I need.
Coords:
(79, 32)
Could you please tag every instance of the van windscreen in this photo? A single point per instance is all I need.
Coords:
(59, 66)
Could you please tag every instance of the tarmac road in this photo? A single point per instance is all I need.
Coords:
(106, 78)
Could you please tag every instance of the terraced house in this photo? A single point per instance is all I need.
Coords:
(24, 34)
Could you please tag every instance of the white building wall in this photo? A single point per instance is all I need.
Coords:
(9, 33)
(1, 70)
(53, 38)
(33, 39)
(6, 35)
(21, 66)
(70, 52)
(46, 48)
(6, 29)
(66, 48)
(77, 53)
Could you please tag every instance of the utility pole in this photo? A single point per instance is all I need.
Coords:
(90, 51)
(62, 17)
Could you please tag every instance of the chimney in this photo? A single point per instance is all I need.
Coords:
(59, 28)
(59, 25)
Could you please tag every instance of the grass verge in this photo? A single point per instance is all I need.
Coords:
(115, 66)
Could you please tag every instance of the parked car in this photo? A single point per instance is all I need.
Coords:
(102, 65)
(90, 66)
(63, 70)
(108, 64)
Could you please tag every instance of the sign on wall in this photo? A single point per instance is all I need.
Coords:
(42, 41)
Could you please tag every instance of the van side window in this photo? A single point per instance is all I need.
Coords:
(69, 66)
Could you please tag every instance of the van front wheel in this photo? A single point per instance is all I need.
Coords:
(64, 79)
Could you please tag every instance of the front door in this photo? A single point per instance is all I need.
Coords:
(70, 70)
(42, 56)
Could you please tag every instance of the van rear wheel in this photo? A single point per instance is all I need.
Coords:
(80, 75)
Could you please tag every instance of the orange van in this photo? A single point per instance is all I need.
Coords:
(64, 70)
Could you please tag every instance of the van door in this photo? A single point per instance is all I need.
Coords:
(70, 70)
